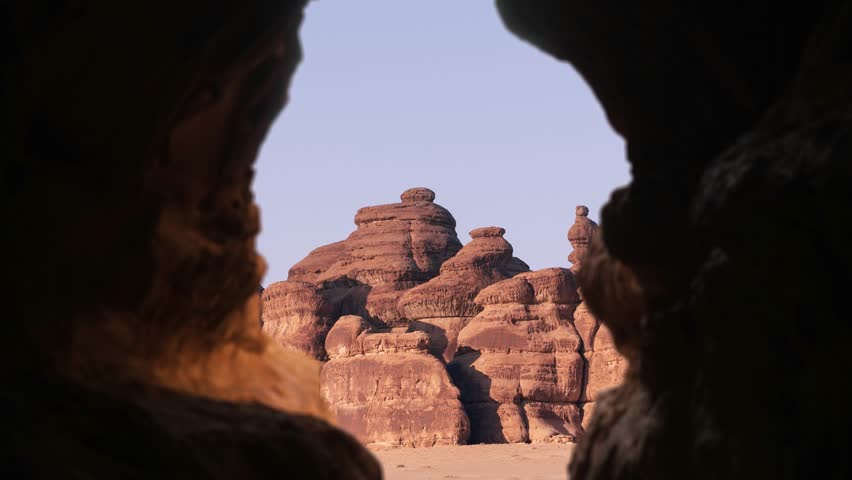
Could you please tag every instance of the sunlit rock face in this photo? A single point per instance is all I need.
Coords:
(719, 275)
(443, 306)
(391, 386)
(395, 247)
(520, 367)
(580, 235)
(297, 316)
(386, 388)
(605, 366)
(525, 352)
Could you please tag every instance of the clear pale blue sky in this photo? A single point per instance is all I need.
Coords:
(393, 94)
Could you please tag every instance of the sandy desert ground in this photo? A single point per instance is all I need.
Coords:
(477, 462)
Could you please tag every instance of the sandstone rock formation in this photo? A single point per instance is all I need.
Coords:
(443, 306)
(396, 247)
(379, 272)
(580, 235)
(385, 387)
(520, 368)
(736, 121)
(126, 164)
(605, 367)
(527, 363)
(297, 316)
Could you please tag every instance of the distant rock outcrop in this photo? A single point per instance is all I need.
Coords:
(580, 235)
(297, 316)
(520, 368)
(396, 247)
(443, 306)
(605, 366)
(385, 387)
(429, 343)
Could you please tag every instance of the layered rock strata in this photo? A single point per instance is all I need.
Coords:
(443, 306)
(297, 316)
(384, 387)
(605, 367)
(395, 247)
(520, 368)
(580, 235)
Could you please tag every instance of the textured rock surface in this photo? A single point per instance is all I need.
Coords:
(395, 248)
(384, 387)
(736, 118)
(737, 127)
(126, 163)
(297, 316)
(605, 366)
(443, 305)
(520, 369)
(580, 235)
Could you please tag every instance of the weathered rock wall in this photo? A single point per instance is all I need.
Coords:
(129, 130)
(605, 365)
(528, 356)
(520, 368)
(297, 316)
(384, 387)
(730, 244)
(395, 247)
(444, 305)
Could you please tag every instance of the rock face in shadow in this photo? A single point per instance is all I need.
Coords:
(443, 306)
(719, 274)
(384, 387)
(520, 368)
(129, 135)
(736, 119)
(181, 437)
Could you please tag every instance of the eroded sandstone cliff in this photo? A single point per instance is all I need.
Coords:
(297, 316)
(395, 247)
(126, 163)
(520, 368)
(730, 244)
(485, 351)
(443, 306)
(385, 387)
